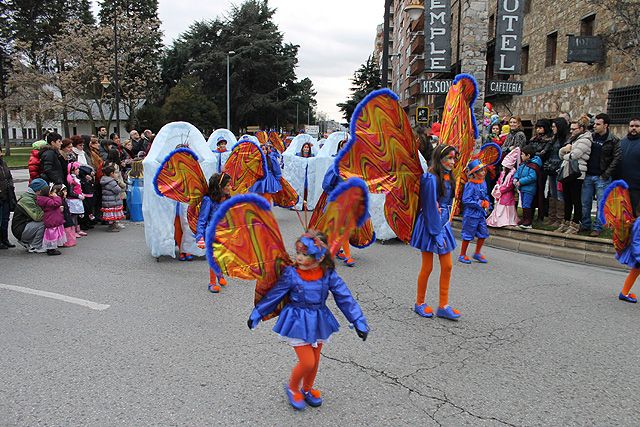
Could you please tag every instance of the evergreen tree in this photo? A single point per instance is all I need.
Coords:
(142, 9)
(186, 102)
(365, 80)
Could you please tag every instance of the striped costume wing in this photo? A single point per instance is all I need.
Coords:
(287, 197)
(276, 141)
(262, 137)
(489, 154)
(459, 127)
(244, 242)
(384, 153)
(346, 209)
(361, 237)
(246, 165)
(615, 210)
(180, 178)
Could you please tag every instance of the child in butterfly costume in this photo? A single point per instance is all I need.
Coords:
(180, 178)
(418, 206)
(475, 200)
(615, 211)
(295, 290)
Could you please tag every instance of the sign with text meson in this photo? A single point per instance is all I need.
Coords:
(437, 34)
(509, 36)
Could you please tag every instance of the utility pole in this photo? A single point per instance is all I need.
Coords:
(116, 77)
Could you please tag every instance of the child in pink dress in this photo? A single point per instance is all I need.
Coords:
(51, 204)
(505, 212)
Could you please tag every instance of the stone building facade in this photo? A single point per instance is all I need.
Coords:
(550, 85)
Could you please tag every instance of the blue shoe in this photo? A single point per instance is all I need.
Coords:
(628, 298)
(188, 257)
(480, 258)
(464, 259)
(213, 288)
(349, 262)
(182, 257)
(340, 255)
(448, 313)
(423, 310)
(312, 400)
(297, 404)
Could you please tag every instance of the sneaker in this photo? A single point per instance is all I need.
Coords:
(312, 397)
(188, 257)
(448, 313)
(349, 262)
(464, 259)
(480, 258)
(222, 281)
(340, 255)
(182, 257)
(423, 310)
(525, 226)
(120, 226)
(82, 233)
(78, 235)
(296, 399)
(213, 288)
(37, 250)
(595, 233)
(53, 252)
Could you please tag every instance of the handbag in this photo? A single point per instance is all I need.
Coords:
(569, 171)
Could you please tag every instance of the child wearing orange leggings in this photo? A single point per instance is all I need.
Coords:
(630, 256)
(219, 189)
(306, 322)
(432, 232)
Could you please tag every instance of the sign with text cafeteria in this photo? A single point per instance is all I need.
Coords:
(507, 87)
(437, 30)
(509, 36)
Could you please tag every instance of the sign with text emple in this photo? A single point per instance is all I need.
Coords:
(589, 49)
(509, 36)
(437, 34)
(508, 87)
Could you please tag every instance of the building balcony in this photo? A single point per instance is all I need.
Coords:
(418, 24)
(417, 66)
(417, 42)
(414, 89)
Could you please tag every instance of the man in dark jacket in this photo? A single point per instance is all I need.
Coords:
(602, 164)
(629, 166)
(27, 225)
(52, 160)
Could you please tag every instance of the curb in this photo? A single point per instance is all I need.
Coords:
(549, 244)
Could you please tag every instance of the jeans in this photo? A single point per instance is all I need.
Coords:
(4, 219)
(593, 185)
(553, 188)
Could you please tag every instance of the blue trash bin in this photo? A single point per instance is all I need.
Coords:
(134, 199)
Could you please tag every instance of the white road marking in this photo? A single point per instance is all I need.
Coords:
(83, 302)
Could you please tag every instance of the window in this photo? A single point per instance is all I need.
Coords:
(75, 130)
(13, 131)
(552, 49)
(524, 66)
(587, 25)
(623, 104)
(408, 72)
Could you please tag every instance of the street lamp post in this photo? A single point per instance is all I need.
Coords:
(231, 52)
(116, 76)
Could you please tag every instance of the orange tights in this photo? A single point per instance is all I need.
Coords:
(630, 280)
(177, 235)
(347, 250)
(306, 369)
(445, 277)
(213, 277)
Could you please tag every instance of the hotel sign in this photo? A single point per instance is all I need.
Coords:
(507, 87)
(509, 36)
(437, 30)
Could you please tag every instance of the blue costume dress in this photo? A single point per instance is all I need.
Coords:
(630, 255)
(474, 222)
(306, 319)
(208, 209)
(271, 182)
(432, 230)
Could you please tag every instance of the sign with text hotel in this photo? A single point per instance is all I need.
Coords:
(509, 36)
(437, 30)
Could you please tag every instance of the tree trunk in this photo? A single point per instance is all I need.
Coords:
(39, 125)
(5, 130)
(65, 122)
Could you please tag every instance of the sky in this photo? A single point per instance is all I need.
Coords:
(335, 37)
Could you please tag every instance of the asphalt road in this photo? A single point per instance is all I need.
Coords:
(539, 342)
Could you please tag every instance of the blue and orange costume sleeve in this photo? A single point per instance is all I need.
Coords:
(207, 209)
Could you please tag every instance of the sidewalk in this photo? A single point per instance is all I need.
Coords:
(549, 244)
(20, 175)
